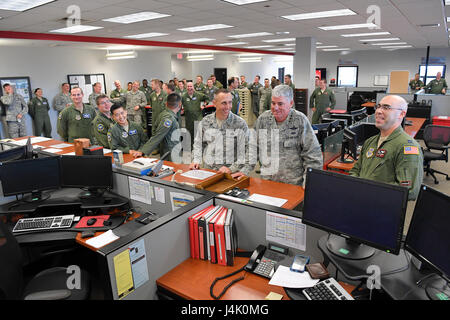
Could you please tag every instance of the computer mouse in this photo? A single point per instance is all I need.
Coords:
(91, 221)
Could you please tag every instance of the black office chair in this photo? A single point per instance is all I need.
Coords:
(435, 138)
(208, 110)
(50, 284)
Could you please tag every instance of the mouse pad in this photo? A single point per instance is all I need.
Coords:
(99, 223)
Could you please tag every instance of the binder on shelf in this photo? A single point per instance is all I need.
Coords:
(203, 231)
(231, 240)
(219, 234)
(193, 230)
(212, 244)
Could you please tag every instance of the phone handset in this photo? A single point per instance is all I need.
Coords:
(255, 258)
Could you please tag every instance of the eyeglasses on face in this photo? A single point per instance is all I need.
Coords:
(386, 107)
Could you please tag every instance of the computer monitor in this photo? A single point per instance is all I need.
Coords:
(344, 116)
(336, 124)
(17, 153)
(361, 214)
(428, 238)
(92, 172)
(364, 131)
(349, 146)
(359, 114)
(322, 131)
(30, 176)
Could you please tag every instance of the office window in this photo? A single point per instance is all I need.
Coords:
(347, 76)
(431, 73)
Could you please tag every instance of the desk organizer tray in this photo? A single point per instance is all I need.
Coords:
(223, 182)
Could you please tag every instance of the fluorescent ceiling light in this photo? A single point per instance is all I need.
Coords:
(349, 26)
(231, 43)
(137, 17)
(196, 40)
(289, 44)
(76, 29)
(320, 14)
(243, 2)
(317, 43)
(200, 57)
(279, 40)
(250, 59)
(385, 39)
(258, 47)
(146, 35)
(248, 54)
(249, 35)
(206, 27)
(121, 55)
(396, 47)
(365, 34)
(22, 5)
(388, 43)
(337, 49)
(324, 47)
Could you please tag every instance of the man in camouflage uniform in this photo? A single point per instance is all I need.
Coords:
(157, 101)
(62, 99)
(75, 121)
(286, 159)
(321, 101)
(254, 90)
(216, 133)
(210, 90)
(126, 136)
(191, 102)
(392, 156)
(265, 94)
(167, 124)
(16, 109)
(232, 87)
(437, 86)
(135, 104)
(97, 87)
(103, 121)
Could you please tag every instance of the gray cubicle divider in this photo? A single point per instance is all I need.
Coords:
(166, 244)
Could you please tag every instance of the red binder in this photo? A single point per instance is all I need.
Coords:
(203, 232)
(212, 245)
(192, 234)
(220, 238)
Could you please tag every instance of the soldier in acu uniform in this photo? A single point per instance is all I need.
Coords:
(93, 96)
(16, 109)
(391, 156)
(62, 99)
(321, 101)
(103, 121)
(298, 148)
(135, 104)
(75, 121)
(38, 110)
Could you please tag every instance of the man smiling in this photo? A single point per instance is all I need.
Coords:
(391, 156)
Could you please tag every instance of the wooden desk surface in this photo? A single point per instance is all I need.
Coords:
(192, 279)
(369, 104)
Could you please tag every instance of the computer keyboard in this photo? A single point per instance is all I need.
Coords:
(328, 289)
(44, 223)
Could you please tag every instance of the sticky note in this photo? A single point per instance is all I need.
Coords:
(274, 296)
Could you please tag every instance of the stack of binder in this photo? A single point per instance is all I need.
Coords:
(213, 236)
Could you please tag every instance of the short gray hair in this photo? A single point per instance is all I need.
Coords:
(283, 90)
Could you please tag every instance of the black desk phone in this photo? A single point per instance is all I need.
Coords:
(262, 262)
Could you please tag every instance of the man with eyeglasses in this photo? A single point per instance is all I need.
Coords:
(103, 121)
(392, 156)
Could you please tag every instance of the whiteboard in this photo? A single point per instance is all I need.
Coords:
(85, 82)
(381, 81)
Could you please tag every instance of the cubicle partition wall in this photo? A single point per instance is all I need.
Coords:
(439, 102)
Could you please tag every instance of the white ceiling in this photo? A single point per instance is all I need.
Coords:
(399, 17)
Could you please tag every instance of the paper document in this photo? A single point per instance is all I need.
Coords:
(61, 145)
(140, 190)
(53, 150)
(198, 174)
(284, 277)
(277, 202)
(105, 151)
(69, 154)
(39, 139)
(102, 240)
(123, 273)
(138, 263)
(285, 230)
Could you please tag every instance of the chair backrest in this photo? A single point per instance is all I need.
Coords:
(436, 137)
(11, 272)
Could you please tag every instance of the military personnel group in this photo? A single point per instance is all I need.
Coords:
(221, 140)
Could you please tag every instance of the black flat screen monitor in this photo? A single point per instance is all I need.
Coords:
(16, 153)
(30, 176)
(364, 214)
(344, 116)
(428, 237)
(92, 172)
(336, 124)
(349, 146)
(322, 131)
(364, 131)
(359, 114)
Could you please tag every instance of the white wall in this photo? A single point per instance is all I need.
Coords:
(380, 62)
(49, 67)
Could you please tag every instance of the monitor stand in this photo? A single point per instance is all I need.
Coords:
(438, 289)
(342, 159)
(91, 193)
(348, 249)
(36, 196)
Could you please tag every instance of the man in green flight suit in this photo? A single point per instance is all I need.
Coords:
(243, 83)
(103, 121)
(391, 156)
(191, 101)
(254, 90)
(233, 84)
(216, 82)
(126, 136)
(288, 81)
(75, 121)
(38, 110)
(146, 89)
(164, 137)
(199, 86)
(118, 94)
(438, 85)
(416, 84)
(210, 90)
(322, 100)
(157, 101)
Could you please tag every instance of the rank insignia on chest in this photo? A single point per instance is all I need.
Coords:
(124, 135)
(381, 153)
(77, 117)
(410, 150)
(369, 153)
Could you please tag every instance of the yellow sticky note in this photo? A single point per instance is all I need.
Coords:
(124, 276)
(274, 296)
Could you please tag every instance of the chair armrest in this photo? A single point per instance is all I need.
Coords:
(49, 295)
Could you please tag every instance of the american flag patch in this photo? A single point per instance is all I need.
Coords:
(410, 150)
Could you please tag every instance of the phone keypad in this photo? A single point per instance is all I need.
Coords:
(265, 268)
